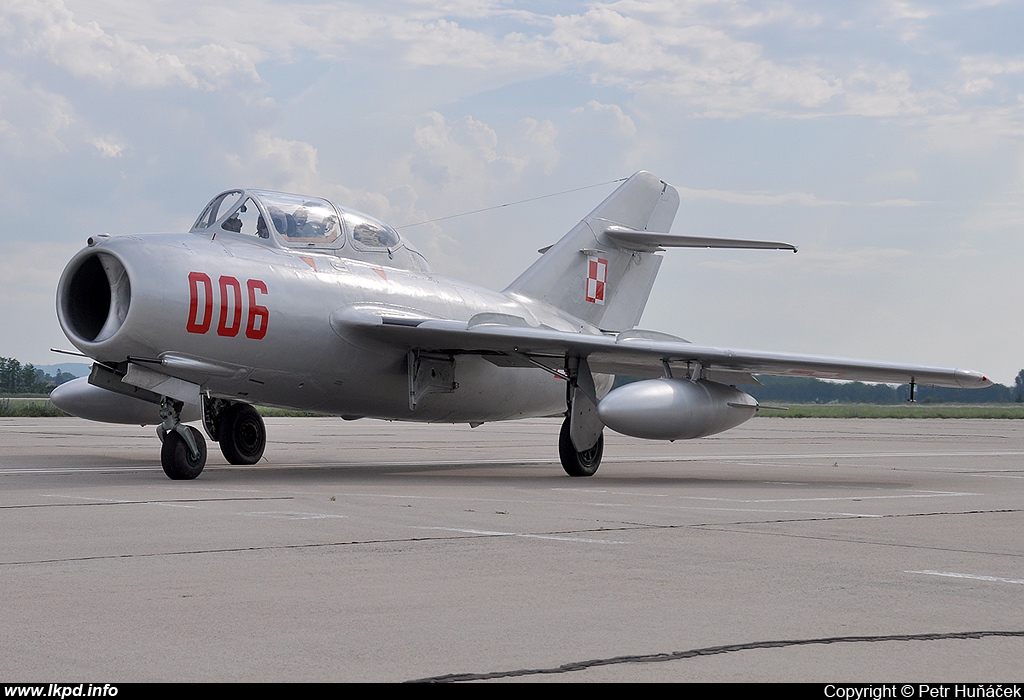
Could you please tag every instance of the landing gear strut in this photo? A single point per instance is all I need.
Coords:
(581, 440)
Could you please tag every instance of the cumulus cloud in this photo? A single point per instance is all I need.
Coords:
(684, 57)
(86, 50)
(614, 122)
(281, 163)
(461, 165)
(979, 75)
(706, 56)
(108, 147)
(469, 154)
(33, 120)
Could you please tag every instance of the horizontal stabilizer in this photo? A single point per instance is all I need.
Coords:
(651, 240)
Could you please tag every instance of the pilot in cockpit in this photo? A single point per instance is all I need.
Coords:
(304, 228)
(233, 224)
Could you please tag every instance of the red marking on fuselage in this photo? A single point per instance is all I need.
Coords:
(232, 306)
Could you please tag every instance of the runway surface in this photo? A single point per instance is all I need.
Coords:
(786, 549)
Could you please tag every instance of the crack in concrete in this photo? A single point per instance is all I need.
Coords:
(712, 651)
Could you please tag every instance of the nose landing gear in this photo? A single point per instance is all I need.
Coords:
(183, 454)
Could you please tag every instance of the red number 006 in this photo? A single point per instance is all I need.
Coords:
(200, 306)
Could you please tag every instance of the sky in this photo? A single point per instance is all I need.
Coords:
(885, 139)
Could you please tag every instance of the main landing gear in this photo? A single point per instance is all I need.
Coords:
(576, 462)
(237, 427)
(241, 434)
(581, 440)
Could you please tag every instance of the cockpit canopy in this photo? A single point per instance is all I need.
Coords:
(307, 223)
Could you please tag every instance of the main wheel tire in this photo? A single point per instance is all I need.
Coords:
(577, 463)
(177, 459)
(243, 435)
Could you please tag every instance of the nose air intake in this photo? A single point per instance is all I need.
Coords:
(94, 298)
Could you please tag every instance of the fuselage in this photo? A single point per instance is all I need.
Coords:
(262, 324)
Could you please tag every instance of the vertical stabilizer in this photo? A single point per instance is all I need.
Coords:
(600, 279)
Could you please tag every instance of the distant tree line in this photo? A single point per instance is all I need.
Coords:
(16, 378)
(809, 390)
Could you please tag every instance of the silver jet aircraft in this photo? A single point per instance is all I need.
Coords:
(291, 301)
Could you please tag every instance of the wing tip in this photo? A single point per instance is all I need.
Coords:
(969, 379)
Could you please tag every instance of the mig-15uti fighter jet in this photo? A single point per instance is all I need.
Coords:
(292, 301)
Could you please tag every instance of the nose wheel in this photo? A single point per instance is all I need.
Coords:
(183, 454)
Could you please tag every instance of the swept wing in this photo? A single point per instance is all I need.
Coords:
(634, 354)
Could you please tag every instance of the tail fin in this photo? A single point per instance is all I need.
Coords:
(598, 273)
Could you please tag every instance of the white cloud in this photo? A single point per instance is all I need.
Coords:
(469, 155)
(445, 43)
(86, 50)
(33, 121)
(978, 74)
(613, 120)
(281, 163)
(973, 133)
(108, 147)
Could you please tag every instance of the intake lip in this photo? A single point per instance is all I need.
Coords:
(93, 297)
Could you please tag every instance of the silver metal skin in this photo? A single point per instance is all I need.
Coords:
(289, 300)
(80, 398)
(675, 409)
